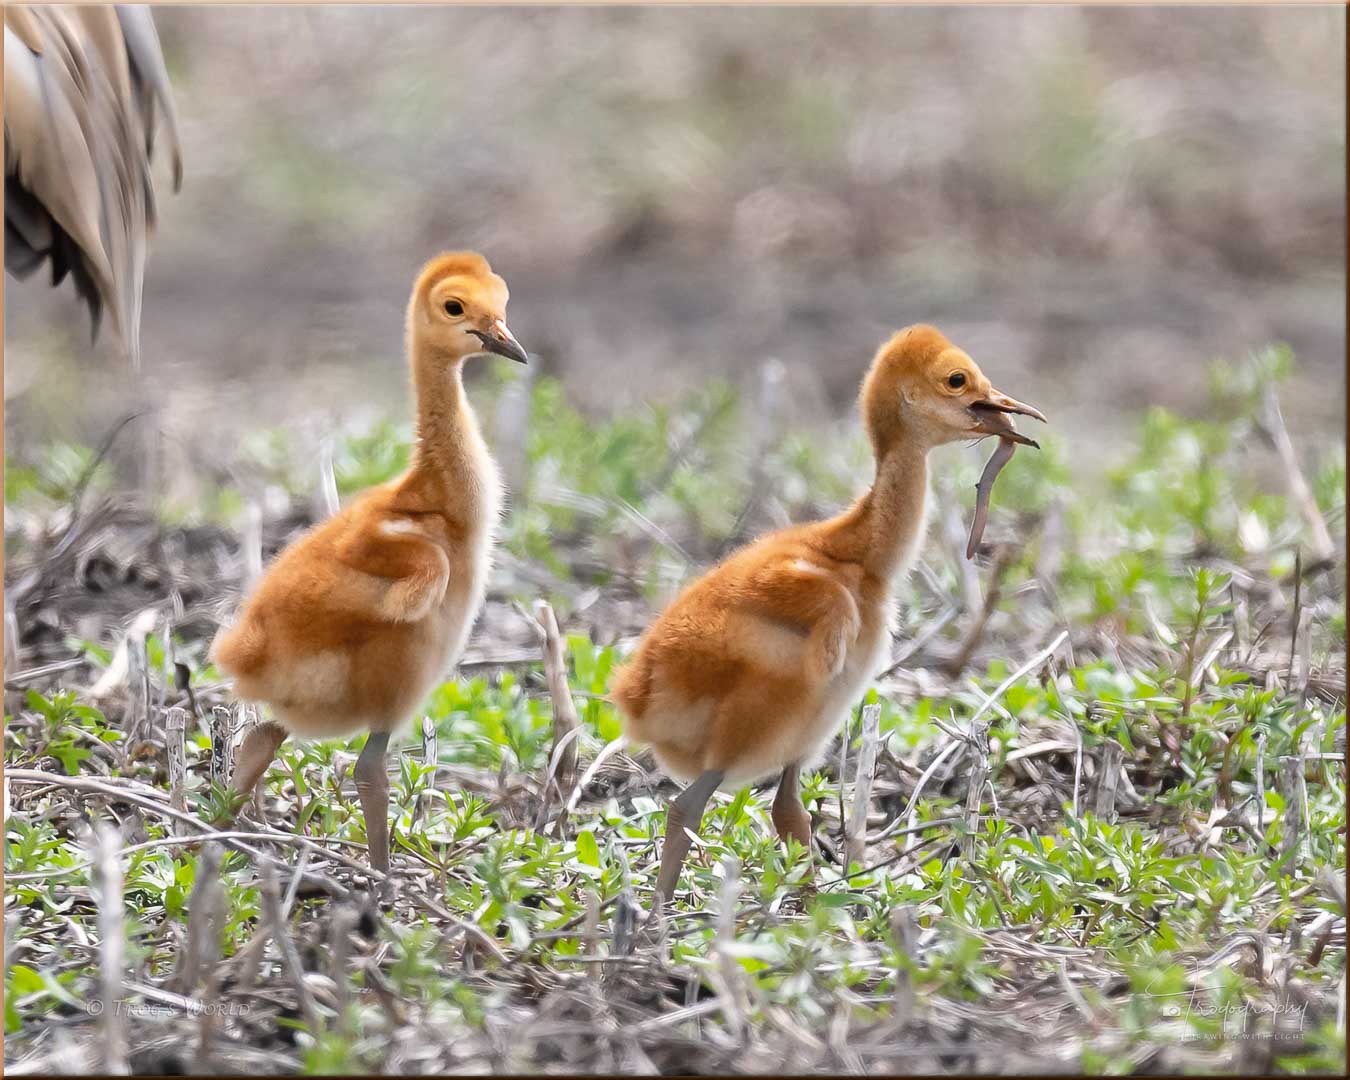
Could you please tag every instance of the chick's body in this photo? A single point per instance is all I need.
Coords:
(357, 620)
(328, 641)
(751, 669)
(737, 676)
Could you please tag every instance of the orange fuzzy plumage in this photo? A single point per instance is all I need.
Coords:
(751, 669)
(355, 622)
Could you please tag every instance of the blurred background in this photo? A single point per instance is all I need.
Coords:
(1094, 203)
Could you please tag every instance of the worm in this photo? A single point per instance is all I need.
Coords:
(1000, 457)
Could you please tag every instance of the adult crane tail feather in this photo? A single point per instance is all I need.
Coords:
(86, 89)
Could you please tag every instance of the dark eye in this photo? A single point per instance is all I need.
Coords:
(956, 380)
(454, 307)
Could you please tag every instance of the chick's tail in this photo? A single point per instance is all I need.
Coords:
(631, 690)
(240, 650)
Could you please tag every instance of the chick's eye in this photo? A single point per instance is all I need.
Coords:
(454, 307)
(956, 380)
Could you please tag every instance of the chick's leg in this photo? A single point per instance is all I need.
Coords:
(789, 815)
(255, 754)
(372, 787)
(686, 811)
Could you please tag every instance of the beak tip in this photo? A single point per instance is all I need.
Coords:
(502, 345)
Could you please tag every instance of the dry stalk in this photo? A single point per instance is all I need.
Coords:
(427, 729)
(910, 816)
(222, 730)
(11, 935)
(141, 650)
(627, 911)
(726, 971)
(989, 702)
(931, 630)
(841, 770)
(1108, 780)
(1303, 635)
(565, 722)
(12, 640)
(326, 502)
(1077, 762)
(1242, 629)
(1324, 548)
(245, 961)
(979, 774)
(606, 752)
(1261, 782)
(137, 719)
(20, 679)
(855, 834)
(175, 733)
(104, 845)
(148, 798)
(182, 680)
(206, 920)
(166, 662)
(1295, 615)
(904, 934)
(627, 919)
(251, 542)
(592, 934)
(954, 540)
(1006, 554)
(206, 909)
(343, 922)
(290, 958)
(1294, 794)
(117, 674)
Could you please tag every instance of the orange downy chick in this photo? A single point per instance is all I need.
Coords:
(752, 667)
(358, 619)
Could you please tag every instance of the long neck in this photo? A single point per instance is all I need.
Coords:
(882, 529)
(897, 508)
(450, 465)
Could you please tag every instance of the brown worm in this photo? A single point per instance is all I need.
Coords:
(1000, 457)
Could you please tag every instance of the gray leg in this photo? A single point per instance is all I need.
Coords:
(686, 811)
(789, 815)
(372, 787)
(255, 754)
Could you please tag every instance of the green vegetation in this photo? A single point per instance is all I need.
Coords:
(1176, 925)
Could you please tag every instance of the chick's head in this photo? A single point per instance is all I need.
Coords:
(458, 308)
(924, 389)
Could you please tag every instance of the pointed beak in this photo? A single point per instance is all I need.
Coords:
(498, 339)
(992, 417)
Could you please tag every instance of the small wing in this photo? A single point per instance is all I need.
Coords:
(808, 597)
(402, 574)
(797, 591)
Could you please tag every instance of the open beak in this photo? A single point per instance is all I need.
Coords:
(992, 417)
(498, 339)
